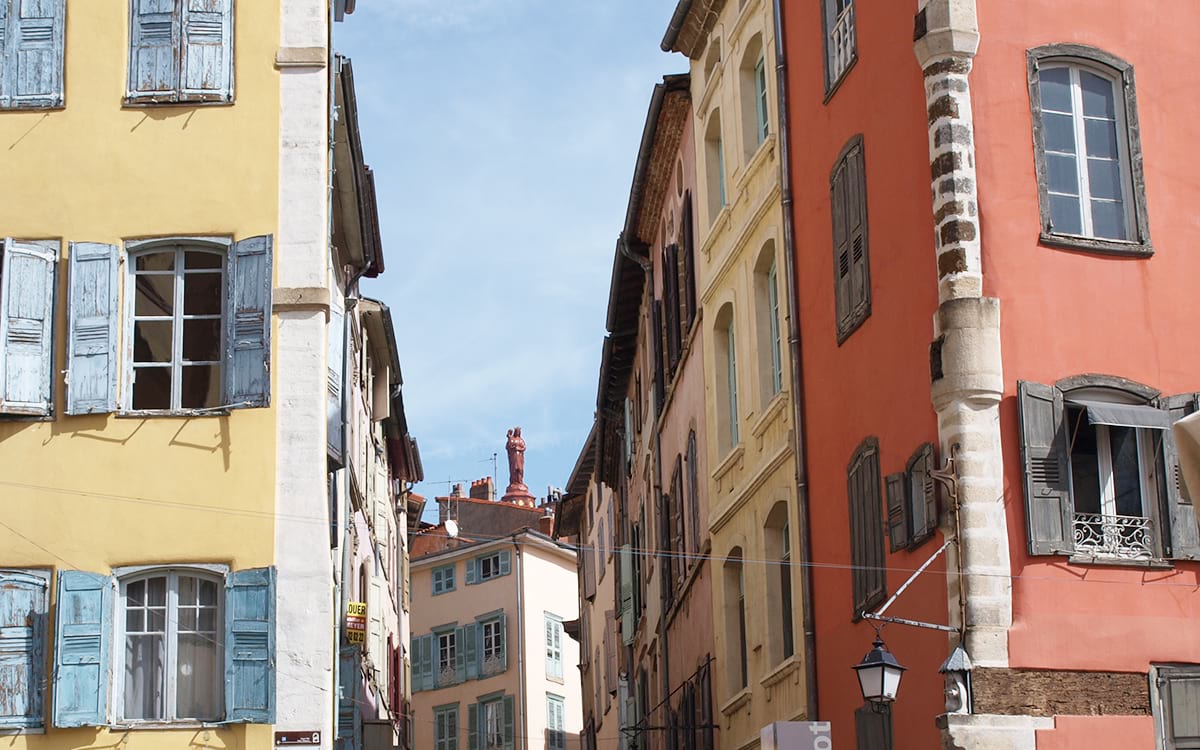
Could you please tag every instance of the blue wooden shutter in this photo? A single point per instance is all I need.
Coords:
(469, 647)
(509, 722)
(250, 646)
(92, 329)
(27, 283)
(473, 726)
(153, 50)
(23, 603)
(503, 642)
(248, 320)
(335, 429)
(32, 60)
(83, 637)
(472, 571)
(5, 65)
(505, 562)
(428, 658)
(207, 66)
(460, 653)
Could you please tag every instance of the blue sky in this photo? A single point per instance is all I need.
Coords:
(503, 135)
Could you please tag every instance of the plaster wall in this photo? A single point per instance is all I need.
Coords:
(549, 578)
(595, 700)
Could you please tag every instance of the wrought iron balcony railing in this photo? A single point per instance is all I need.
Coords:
(1124, 537)
(841, 43)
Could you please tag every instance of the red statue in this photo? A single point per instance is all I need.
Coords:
(516, 461)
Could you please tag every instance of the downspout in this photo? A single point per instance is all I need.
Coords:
(521, 645)
(797, 363)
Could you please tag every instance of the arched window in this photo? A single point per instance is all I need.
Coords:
(725, 362)
(778, 547)
(735, 621)
(752, 84)
(714, 166)
(766, 310)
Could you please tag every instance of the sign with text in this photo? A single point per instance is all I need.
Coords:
(307, 738)
(356, 622)
(796, 735)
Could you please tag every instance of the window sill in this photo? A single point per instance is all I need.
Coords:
(774, 407)
(172, 100)
(728, 462)
(1117, 562)
(763, 153)
(556, 680)
(180, 414)
(16, 731)
(841, 79)
(737, 702)
(785, 668)
(711, 84)
(52, 106)
(136, 726)
(1090, 244)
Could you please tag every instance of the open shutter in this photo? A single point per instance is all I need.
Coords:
(509, 722)
(1185, 536)
(428, 661)
(27, 282)
(460, 654)
(33, 70)
(922, 494)
(207, 66)
(838, 201)
(503, 642)
(335, 377)
(1048, 509)
(92, 328)
(375, 632)
(627, 584)
(473, 726)
(5, 67)
(472, 572)
(656, 349)
(83, 636)
(23, 602)
(689, 258)
(470, 650)
(250, 646)
(248, 335)
(856, 230)
(897, 509)
(505, 562)
(154, 50)
(1179, 696)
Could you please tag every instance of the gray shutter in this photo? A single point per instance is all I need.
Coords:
(248, 323)
(153, 50)
(429, 660)
(1185, 536)
(347, 682)
(250, 646)
(1179, 690)
(92, 328)
(471, 650)
(27, 287)
(922, 494)
(866, 526)
(473, 726)
(509, 722)
(83, 631)
(31, 60)
(207, 48)
(897, 508)
(335, 376)
(5, 66)
(873, 729)
(627, 586)
(1044, 452)
(838, 200)
(689, 258)
(856, 230)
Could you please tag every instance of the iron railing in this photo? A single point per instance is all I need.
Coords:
(1124, 537)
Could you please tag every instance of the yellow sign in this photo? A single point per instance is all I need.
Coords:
(356, 622)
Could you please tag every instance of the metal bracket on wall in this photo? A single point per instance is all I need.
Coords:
(948, 476)
(880, 617)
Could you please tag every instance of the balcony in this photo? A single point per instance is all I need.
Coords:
(841, 44)
(1121, 537)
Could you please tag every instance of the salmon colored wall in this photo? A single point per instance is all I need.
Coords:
(1072, 732)
(1110, 315)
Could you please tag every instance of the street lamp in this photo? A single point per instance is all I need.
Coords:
(879, 675)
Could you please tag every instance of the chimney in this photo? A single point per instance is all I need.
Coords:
(482, 489)
(456, 491)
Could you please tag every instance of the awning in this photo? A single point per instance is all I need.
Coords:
(1187, 443)
(1124, 415)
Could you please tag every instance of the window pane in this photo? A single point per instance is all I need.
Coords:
(201, 387)
(202, 340)
(135, 620)
(1064, 214)
(1056, 89)
(1101, 138)
(135, 594)
(1063, 174)
(163, 261)
(1127, 478)
(152, 341)
(1097, 96)
(1108, 220)
(1104, 178)
(152, 388)
(144, 677)
(156, 591)
(208, 593)
(1059, 132)
(1085, 466)
(155, 295)
(200, 259)
(196, 689)
(202, 294)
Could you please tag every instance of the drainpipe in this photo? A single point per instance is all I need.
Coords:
(521, 645)
(797, 363)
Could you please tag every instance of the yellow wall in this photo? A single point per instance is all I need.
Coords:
(93, 492)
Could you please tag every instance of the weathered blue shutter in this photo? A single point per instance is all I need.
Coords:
(335, 429)
(348, 682)
(248, 335)
(414, 648)
(428, 673)
(82, 643)
(23, 600)
(250, 646)
(27, 283)
(473, 726)
(472, 571)
(92, 329)
(503, 642)
(207, 66)
(509, 722)
(472, 653)
(437, 580)
(460, 652)
(31, 62)
(153, 50)
(505, 562)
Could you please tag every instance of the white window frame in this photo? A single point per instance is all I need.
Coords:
(760, 98)
(135, 248)
(492, 724)
(123, 577)
(556, 723)
(554, 647)
(491, 635)
(493, 561)
(447, 651)
(444, 738)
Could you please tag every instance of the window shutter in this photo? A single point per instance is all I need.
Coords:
(429, 661)
(154, 50)
(627, 584)
(207, 65)
(689, 258)
(505, 562)
(509, 722)
(1179, 690)
(922, 494)
(460, 653)
(838, 200)
(437, 580)
(376, 637)
(27, 285)
(856, 228)
(472, 574)
(23, 600)
(348, 674)
(82, 639)
(473, 726)
(866, 526)
(335, 371)
(1048, 510)
(1185, 536)
(656, 348)
(92, 328)
(588, 562)
(250, 646)
(670, 273)
(873, 729)
(471, 651)
(33, 70)
(897, 508)
(248, 335)
(503, 642)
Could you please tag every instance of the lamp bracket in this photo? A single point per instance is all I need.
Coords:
(912, 623)
(948, 475)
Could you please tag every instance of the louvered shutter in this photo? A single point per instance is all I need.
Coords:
(627, 586)
(429, 670)
(92, 328)
(866, 526)
(23, 605)
(1185, 536)
(83, 639)
(248, 335)
(335, 377)
(589, 573)
(376, 637)
(897, 508)
(470, 648)
(473, 726)
(207, 46)
(656, 348)
(460, 653)
(856, 230)
(27, 285)
(838, 203)
(154, 50)
(1044, 453)
(509, 723)
(31, 59)
(922, 494)
(250, 646)
(505, 562)
(689, 259)
(472, 572)
(671, 304)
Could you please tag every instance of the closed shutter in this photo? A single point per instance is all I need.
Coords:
(670, 260)
(248, 337)
(207, 65)
(856, 226)
(1179, 706)
(23, 616)
(627, 585)
(922, 494)
(460, 653)
(873, 729)
(509, 722)
(897, 508)
(154, 50)
(92, 328)
(656, 348)
(1044, 452)
(1185, 536)
(82, 640)
(866, 526)
(376, 637)
(250, 646)
(27, 285)
(473, 726)
(610, 651)
(689, 259)
(470, 649)
(841, 247)
(335, 378)
(348, 681)
(31, 59)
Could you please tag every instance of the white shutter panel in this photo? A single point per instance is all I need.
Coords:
(92, 328)
(27, 279)
(34, 64)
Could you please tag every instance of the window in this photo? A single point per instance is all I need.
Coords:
(24, 607)
(778, 546)
(725, 362)
(491, 723)
(714, 166)
(1175, 699)
(866, 527)
(554, 647)
(556, 724)
(443, 579)
(1101, 472)
(752, 84)
(445, 727)
(770, 342)
(693, 474)
(493, 651)
(912, 501)
(447, 655)
(841, 44)
(687, 242)
(489, 566)
(180, 51)
(851, 269)
(28, 278)
(31, 54)
(675, 562)
(873, 728)
(735, 620)
(1088, 156)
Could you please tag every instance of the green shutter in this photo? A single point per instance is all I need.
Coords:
(509, 723)
(505, 562)
(897, 507)
(1044, 453)
(471, 649)
(472, 571)
(503, 642)
(1184, 536)
(460, 653)
(473, 726)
